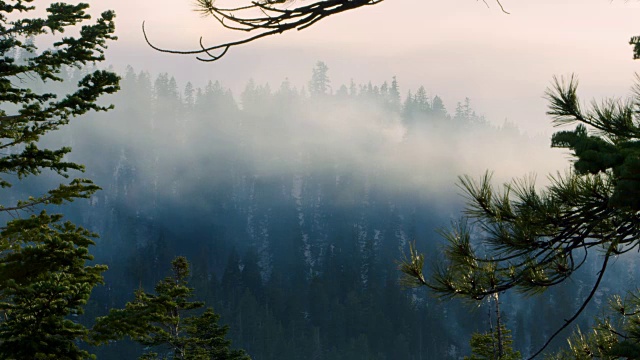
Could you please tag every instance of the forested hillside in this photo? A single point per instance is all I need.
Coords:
(293, 206)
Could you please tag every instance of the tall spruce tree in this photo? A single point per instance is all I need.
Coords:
(44, 276)
(159, 322)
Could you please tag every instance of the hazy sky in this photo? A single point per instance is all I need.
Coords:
(455, 48)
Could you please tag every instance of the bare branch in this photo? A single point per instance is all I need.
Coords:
(586, 301)
(502, 7)
(266, 18)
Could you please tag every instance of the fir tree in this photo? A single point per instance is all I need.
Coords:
(483, 346)
(160, 322)
(44, 277)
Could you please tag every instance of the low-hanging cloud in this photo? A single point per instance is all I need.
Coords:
(179, 140)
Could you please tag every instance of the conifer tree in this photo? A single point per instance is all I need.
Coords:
(394, 95)
(615, 335)
(44, 276)
(438, 109)
(319, 83)
(527, 239)
(494, 344)
(160, 322)
(421, 100)
(483, 346)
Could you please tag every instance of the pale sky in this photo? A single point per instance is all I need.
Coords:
(455, 48)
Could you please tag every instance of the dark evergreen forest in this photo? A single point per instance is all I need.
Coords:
(293, 205)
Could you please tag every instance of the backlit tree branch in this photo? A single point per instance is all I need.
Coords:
(263, 18)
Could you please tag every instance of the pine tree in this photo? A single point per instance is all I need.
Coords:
(615, 335)
(534, 239)
(44, 277)
(160, 322)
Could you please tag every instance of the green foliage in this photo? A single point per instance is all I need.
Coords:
(614, 146)
(615, 335)
(44, 278)
(34, 114)
(494, 344)
(534, 239)
(530, 239)
(158, 321)
(635, 41)
(412, 267)
(26, 114)
(484, 346)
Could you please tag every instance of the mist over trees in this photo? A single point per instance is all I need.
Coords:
(529, 240)
(293, 207)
